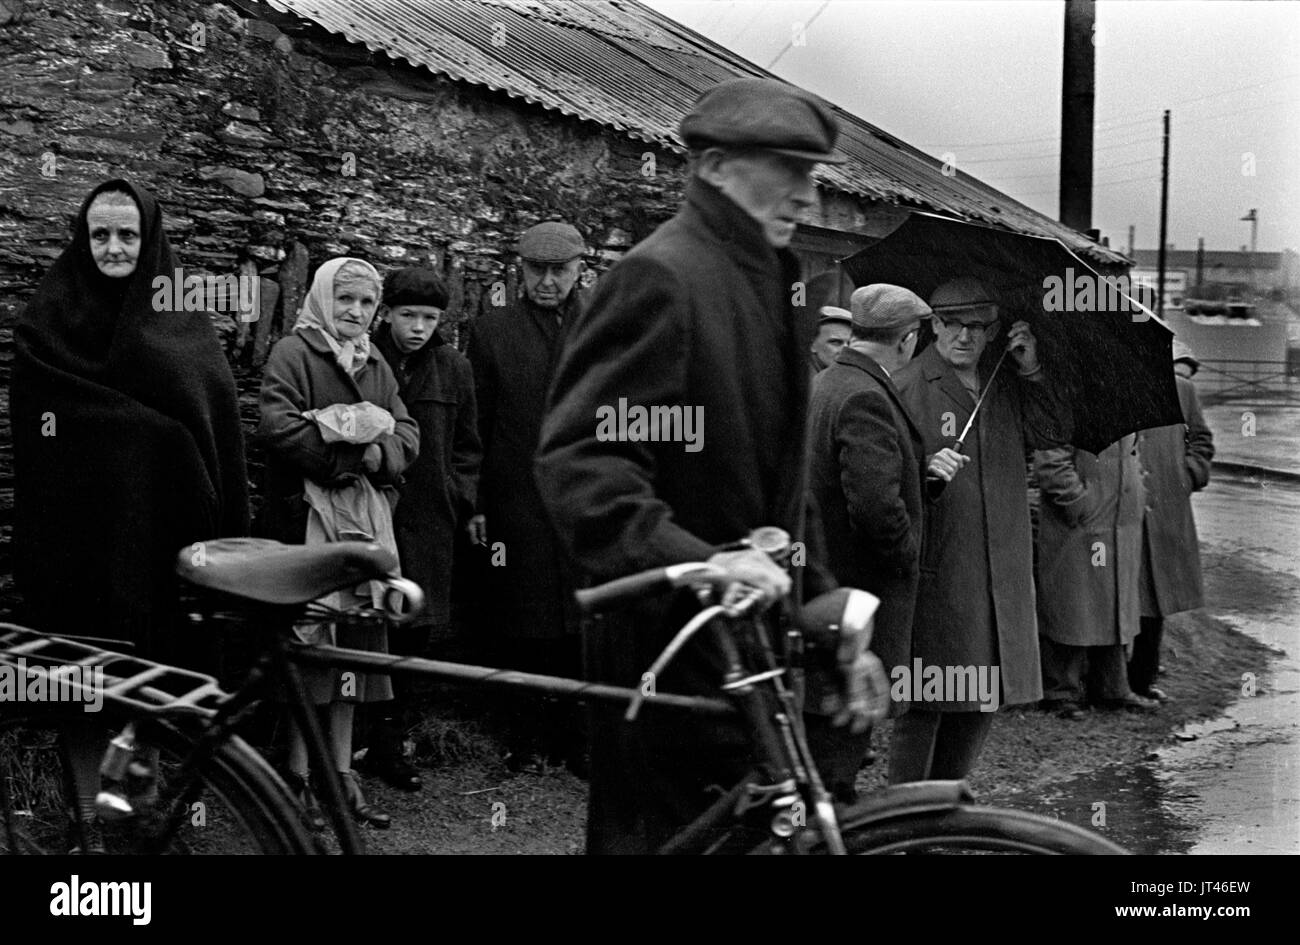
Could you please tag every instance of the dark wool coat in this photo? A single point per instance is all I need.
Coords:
(127, 446)
(300, 375)
(1089, 544)
(1176, 461)
(975, 603)
(867, 477)
(438, 493)
(513, 351)
(697, 315)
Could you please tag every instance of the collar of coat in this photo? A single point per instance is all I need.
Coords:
(315, 339)
(853, 358)
(935, 369)
(860, 359)
(383, 339)
(740, 234)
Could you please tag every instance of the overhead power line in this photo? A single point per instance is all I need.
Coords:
(1113, 123)
(790, 43)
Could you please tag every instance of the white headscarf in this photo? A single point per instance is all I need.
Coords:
(318, 312)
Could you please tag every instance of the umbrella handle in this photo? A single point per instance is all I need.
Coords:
(961, 440)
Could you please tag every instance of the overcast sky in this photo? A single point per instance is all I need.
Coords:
(981, 79)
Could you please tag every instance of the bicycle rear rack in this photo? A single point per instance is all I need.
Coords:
(85, 673)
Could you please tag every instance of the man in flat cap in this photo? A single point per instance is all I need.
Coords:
(833, 328)
(699, 315)
(531, 614)
(975, 601)
(868, 479)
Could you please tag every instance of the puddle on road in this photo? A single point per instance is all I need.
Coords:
(1142, 812)
(1224, 785)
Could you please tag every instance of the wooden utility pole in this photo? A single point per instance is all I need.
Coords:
(1200, 266)
(1164, 222)
(1078, 82)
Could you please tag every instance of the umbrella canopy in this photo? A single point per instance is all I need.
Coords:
(1108, 357)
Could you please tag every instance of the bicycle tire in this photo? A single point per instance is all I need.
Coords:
(969, 829)
(253, 810)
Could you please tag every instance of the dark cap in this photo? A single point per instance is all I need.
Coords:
(884, 306)
(552, 242)
(414, 285)
(763, 113)
(964, 292)
(831, 314)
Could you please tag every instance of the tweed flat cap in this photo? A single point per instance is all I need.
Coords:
(552, 242)
(887, 306)
(763, 113)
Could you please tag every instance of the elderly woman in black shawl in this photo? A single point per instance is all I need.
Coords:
(127, 443)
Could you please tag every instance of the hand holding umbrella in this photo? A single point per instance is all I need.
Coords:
(1022, 345)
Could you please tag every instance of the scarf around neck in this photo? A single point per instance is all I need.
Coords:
(318, 312)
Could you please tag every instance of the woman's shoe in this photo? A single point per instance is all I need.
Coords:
(300, 788)
(361, 810)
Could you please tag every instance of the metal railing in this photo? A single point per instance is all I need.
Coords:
(1220, 380)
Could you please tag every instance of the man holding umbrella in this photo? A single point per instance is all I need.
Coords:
(975, 605)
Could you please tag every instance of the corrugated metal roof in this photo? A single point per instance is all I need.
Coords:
(621, 64)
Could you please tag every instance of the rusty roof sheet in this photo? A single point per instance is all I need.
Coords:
(621, 64)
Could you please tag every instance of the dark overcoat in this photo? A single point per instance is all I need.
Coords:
(1089, 544)
(1176, 462)
(698, 315)
(513, 351)
(866, 476)
(438, 490)
(975, 602)
(300, 375)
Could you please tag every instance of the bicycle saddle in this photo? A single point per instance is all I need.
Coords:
(274, 573)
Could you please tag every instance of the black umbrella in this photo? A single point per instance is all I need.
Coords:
(1107, 356)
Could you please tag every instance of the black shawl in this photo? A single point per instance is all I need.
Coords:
(127, 442)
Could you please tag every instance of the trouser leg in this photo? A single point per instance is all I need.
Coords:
(1145, 661)
(959, 740)
(1107, 673)
(389, 719)
(1063, 670)
(537, 724)
(838, 754)
(911, 746)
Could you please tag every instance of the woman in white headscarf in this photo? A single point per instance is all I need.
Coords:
(328, 361)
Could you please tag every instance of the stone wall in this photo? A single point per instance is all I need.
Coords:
(273, 150)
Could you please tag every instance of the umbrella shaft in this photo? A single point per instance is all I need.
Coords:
(978, 403)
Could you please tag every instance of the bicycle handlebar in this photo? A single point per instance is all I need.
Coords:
(624, 590)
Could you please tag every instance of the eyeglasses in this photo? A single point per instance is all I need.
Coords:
(955, 326)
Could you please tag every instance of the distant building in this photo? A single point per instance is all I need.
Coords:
(1225, 275)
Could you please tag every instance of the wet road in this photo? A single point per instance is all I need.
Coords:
(1239, 783)
(1230, 785)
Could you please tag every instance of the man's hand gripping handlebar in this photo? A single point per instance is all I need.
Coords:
(745, 579)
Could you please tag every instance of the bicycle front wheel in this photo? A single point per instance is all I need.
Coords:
(241, 806)
(973, 830)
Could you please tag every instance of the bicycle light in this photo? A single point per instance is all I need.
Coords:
(840, 620)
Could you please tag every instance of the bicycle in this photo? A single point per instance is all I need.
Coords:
(193, 722)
